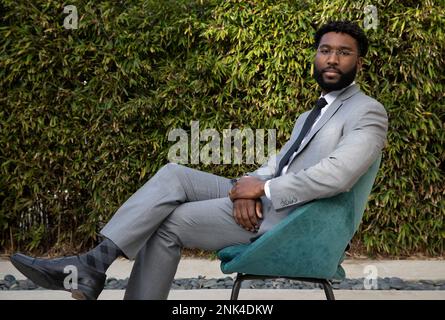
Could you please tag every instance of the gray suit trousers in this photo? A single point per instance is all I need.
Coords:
(178, 207)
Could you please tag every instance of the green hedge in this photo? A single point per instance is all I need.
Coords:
(85, 113)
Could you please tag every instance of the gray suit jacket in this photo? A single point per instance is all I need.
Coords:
(337, 151)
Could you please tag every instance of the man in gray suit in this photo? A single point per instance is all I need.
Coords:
(329, 149)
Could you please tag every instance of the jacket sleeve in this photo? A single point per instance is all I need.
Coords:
(361, 143)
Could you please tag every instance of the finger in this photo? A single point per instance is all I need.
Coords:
(236, 212)
(259, 209)
(252, 216)
(245, 219)
(231, 194)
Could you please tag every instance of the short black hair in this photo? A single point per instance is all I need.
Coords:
(347, 27)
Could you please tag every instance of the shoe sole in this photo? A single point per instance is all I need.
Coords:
(41, 279)
(78, 295)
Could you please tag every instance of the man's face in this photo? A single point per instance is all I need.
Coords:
(337, 61)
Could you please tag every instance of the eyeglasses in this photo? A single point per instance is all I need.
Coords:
(339, 53)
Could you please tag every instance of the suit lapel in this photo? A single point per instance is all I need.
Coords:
(338, 102)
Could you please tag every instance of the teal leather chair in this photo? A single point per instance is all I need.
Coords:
(308, 245)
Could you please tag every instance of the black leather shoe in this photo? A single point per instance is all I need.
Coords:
(51, 274)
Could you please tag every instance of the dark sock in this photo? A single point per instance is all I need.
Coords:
(102, 256)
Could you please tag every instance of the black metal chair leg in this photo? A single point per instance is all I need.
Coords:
(236, 287)
(240, 277)
(328, 290)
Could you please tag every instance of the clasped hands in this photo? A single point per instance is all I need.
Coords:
(247, 207)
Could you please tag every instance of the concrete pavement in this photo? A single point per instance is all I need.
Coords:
(192, 268)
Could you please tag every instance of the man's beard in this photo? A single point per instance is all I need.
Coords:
(344, 81)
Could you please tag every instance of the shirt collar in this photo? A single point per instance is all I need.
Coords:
(331, 96)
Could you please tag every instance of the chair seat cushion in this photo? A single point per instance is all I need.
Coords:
(310, 242)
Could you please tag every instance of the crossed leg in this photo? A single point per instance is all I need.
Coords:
(207, 225)
(179, 207)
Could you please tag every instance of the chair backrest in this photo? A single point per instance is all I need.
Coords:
(310, 242)
(362, 190)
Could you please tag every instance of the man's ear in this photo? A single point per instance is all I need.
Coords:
(359, 63)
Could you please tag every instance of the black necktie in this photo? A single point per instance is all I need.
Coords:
(306, 127)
